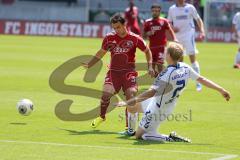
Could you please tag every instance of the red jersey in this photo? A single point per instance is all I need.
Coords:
(123, 50)
(159, 26)
(131, 15)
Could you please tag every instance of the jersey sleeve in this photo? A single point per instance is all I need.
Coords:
(161, 80)
(105, 43)
(141, 44)
(193, 74)
(194, 13)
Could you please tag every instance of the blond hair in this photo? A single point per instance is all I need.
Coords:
(175, 50)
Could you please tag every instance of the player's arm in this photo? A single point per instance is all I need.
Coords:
(160, 85)
(147, 31)
(170, 32)
(95, 58)
(148, 54)
(199, 21)
(141, 97)
(208, 83)
(201, 28)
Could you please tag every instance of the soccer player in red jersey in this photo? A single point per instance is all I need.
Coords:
(156, 29)
(131, 16)
(122, 45)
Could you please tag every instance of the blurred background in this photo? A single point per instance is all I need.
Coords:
(89, 18)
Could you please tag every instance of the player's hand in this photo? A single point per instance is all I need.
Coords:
(176, 41)
(120, 104)
(85, 65)
(225, 94)
(151, 72)
(202, 36)
(175, 29)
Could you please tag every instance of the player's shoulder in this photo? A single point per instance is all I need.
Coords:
(180, 65)
(148, 20)
(111, 34)
(134, 35)
(163, 19)
(127, 9)
(237, 14)
(174, 6)
(188, 5)
(183, 65)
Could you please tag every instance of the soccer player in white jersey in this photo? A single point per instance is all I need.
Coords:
(159, 101)
(236, 29)
(181, 16)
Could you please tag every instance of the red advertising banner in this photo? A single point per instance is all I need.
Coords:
(220, 35)
(76, 29)
(45, 28)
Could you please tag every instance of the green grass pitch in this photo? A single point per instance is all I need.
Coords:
(26, 64)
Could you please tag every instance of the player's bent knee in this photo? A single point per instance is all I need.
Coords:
(131, 92)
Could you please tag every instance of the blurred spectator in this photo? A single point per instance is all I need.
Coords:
(131, 15)
(7, 1)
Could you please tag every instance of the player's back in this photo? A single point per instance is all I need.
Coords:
(171, 82)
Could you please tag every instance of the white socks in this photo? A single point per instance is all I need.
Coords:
(237, 59)
(155, 137)
(132, 120)
(196, 67)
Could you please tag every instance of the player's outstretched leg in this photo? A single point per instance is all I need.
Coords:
(173, 137)
(131, 117)
(108, 91)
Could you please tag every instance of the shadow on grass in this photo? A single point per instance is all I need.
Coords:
(132, 139)
(13, 123)
(148, 142)
(74, 132)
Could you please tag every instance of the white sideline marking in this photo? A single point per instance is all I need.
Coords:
(222, 156)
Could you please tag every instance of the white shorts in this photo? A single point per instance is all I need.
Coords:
(153, 115)
(188, 42)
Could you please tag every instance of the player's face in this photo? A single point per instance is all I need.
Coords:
(156, 12)
(119, 28)
(180, 1)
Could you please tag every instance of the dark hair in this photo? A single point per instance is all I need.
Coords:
(156, 6)
(117, 17)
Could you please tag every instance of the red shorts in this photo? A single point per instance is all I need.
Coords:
(158, 54)
(121, 79)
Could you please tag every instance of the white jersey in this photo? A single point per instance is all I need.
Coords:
(170, 83)
(182, 18)
(236, 21)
